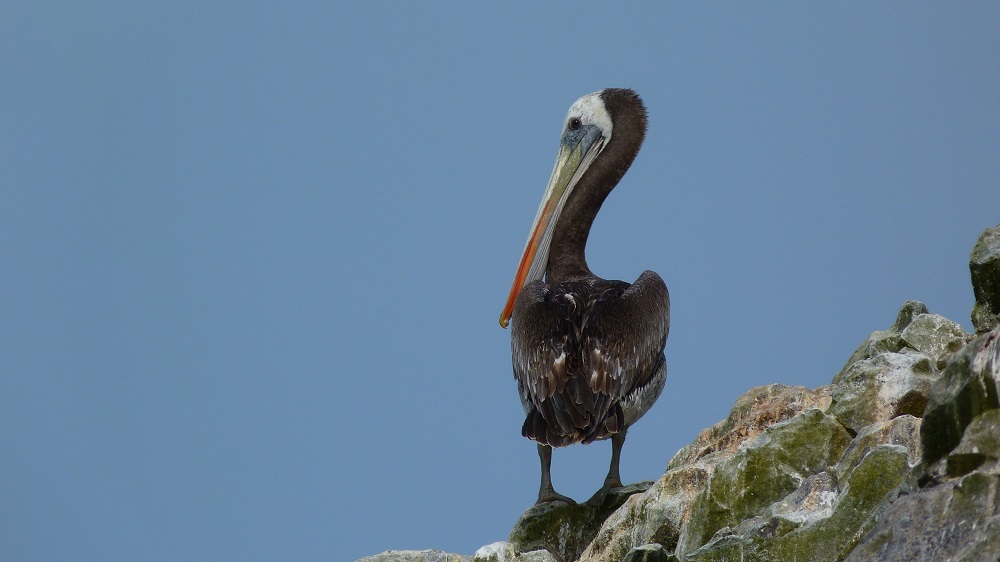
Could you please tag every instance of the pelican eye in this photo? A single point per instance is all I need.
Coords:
(575, 124)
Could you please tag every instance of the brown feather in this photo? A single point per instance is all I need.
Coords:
(603, 342)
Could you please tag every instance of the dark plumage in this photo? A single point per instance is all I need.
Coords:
(587, 352)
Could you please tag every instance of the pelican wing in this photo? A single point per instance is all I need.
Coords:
(579, 349)
(627, 336)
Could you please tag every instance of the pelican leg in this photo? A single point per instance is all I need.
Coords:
(614, 479)
(545, 492)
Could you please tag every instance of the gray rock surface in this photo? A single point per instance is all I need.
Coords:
(505, 552)
(883, 387)
(934, 336)
(984, 265)
(649, 553)
(415, 556)
(955, 515)
(882, 341)
(969, 387)
(958, 520)
(566, 530)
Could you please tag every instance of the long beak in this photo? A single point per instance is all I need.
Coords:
(571, 163)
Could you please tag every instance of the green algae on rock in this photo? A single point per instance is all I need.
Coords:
(566, 530)
(825, 527)
(769, 468)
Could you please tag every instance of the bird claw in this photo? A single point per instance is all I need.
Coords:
(598, 499)
(553, 496)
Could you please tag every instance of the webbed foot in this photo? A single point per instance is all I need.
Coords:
(597, 500)
(553, 496)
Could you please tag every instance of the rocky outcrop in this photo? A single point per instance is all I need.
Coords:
(567, 529)
(897, 459)
(955, 513)
(984, 265)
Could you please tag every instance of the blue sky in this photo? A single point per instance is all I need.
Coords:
(253, 256)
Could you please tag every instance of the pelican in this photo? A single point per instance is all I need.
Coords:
(587, 352)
